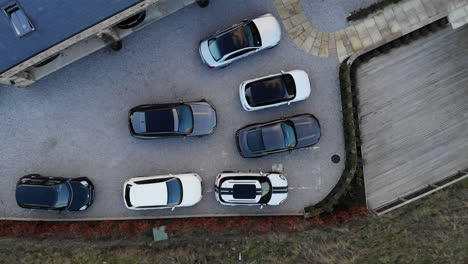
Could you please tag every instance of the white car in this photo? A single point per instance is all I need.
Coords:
(274, 90)
(237, 188)
(160, 192)
(240, 40)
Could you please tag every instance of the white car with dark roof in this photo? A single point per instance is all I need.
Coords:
(161, 192)
(240, 40)
(238, 188)
(274, 90)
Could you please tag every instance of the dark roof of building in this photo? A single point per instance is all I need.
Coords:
(54, 21)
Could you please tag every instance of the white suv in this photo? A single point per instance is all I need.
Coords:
(160, 192)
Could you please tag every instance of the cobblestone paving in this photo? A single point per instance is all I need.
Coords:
(378, 28)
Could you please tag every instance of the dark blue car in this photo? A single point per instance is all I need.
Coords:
(54, 193)
(258, 140)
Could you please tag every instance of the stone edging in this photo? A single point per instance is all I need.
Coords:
(365, 34)
(141, 217)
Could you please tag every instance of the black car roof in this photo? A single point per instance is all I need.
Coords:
(236, 39)
(160, 120)
(273, 136)
(244, 191)
(271, 90)
(255, 141)
(29, 194)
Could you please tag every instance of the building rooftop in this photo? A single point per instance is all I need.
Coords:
(42, 24)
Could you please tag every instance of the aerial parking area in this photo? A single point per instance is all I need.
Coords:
(75, 122)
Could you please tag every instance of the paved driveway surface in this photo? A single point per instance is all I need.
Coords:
(74, 122)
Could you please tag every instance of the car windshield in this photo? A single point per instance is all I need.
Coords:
(289, 135)
(63, 195)
(255, 141)
(185, 119)
(265, 188)
(270, 91)
(174, 191)
(241, 37)
(266, 191)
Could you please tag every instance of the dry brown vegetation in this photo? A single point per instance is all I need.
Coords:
(431, 230)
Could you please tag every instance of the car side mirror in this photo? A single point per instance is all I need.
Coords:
(283, 72)
(289, 102)
(173, 208)
(261, 207)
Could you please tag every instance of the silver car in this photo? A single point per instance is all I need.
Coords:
(172, 120)
(240, 40)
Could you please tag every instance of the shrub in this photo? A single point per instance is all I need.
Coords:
(342, 187)
(366, 11)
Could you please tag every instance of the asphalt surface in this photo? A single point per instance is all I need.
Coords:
(74, 122)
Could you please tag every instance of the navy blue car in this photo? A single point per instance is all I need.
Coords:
(258, 140)
(54, 193)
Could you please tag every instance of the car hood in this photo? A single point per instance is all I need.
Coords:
(204, 119)
(269, 29)
(192, 189)
(138, 121)
(307, 130)
(301, 79)
(279, 185)
(82, 195)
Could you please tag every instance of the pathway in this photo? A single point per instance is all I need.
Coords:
(380, 27)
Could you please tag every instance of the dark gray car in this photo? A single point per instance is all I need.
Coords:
(258, 140)
(172, 120)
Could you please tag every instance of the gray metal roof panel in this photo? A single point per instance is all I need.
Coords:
(54, 21)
